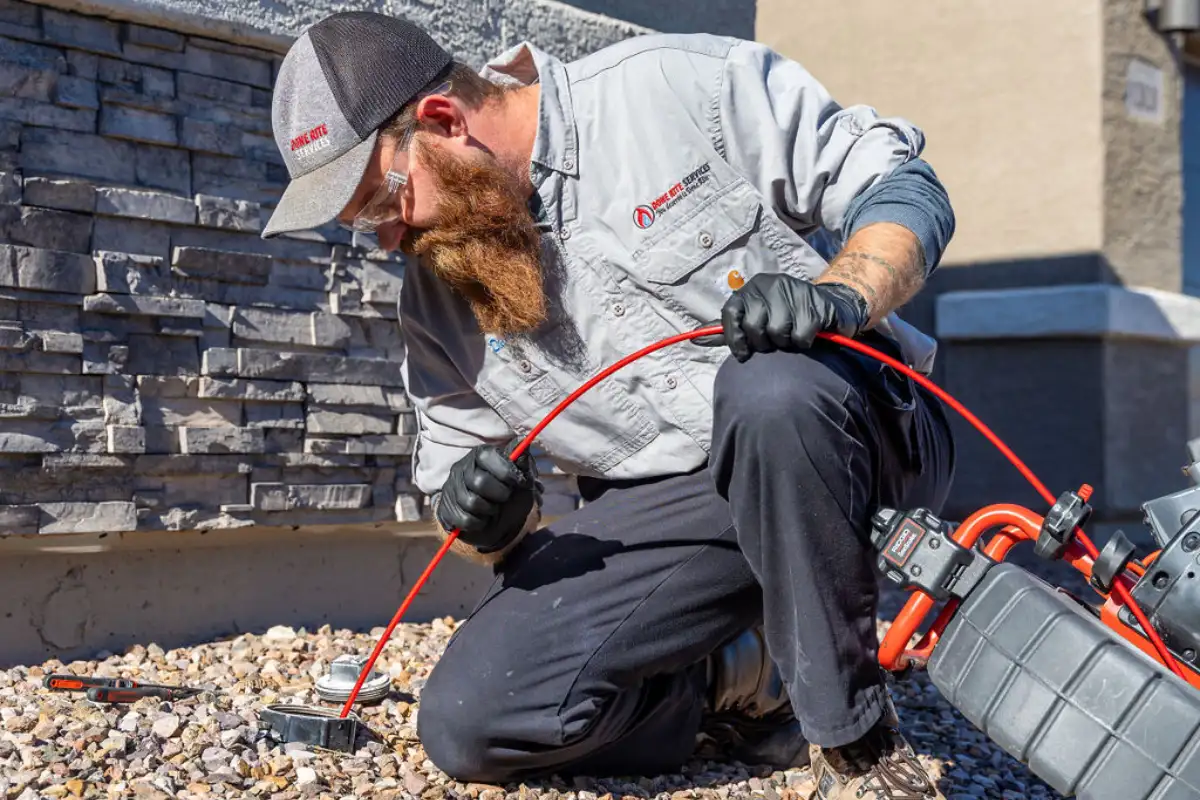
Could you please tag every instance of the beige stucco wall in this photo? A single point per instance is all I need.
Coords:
(1009, 95)
(1143, 163)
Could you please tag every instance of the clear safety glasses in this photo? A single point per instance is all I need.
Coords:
(382, 208)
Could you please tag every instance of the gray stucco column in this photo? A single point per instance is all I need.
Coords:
(1087, 383)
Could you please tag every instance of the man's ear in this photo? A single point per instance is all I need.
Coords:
(442, 114)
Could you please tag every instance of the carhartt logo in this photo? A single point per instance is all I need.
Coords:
(310, 142)
(735, 279)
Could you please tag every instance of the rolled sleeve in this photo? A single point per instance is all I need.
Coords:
(911, 196)
(811, 157)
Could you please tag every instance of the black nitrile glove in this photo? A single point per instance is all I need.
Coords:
(782, 312)
(488, 497)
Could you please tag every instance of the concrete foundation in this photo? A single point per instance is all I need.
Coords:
(73, 596)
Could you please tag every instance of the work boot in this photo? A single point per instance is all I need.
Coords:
(748, 716)
(879, 766)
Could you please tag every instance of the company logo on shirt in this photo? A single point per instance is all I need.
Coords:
(645, 215)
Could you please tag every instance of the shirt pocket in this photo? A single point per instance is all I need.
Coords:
(694, 264)
(598, 431)
(703, 233)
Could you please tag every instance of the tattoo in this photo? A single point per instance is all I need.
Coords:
(846, 276)
(905, 281)
(885, 263)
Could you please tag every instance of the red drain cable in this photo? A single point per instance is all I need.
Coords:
(714, 330)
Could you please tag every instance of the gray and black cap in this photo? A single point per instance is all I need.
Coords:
(341, 80)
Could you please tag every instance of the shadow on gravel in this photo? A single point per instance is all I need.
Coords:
(716, 780)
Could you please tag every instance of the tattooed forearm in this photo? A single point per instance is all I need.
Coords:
(885, 263)
(841, 271)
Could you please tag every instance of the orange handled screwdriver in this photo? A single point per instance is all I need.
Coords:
(74, 683)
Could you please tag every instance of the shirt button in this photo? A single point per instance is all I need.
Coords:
(565, 234)
(618, 310)
(671, 382)
(705, 239)
(569, 164)
(524, 366)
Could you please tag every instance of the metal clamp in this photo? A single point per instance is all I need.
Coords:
(313, 726)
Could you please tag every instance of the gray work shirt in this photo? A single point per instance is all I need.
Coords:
(668, 169)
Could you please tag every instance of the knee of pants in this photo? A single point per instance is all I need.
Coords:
(452, 722)
(484, 717)
(770, 388)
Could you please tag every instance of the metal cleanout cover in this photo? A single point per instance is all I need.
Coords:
(343, 674)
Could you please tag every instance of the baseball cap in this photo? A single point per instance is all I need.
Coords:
(339, 82)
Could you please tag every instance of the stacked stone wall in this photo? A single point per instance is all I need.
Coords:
(162, 367)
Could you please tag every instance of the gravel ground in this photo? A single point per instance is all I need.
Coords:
(60, 745)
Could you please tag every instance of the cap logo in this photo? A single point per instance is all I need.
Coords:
(311, 142)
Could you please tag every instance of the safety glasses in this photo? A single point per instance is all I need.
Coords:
(382, 208)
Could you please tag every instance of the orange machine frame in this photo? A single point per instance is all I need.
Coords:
(1015, 524)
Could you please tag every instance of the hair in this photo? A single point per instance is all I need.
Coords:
(467, 85)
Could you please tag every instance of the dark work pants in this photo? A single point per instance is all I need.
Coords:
(586, 655)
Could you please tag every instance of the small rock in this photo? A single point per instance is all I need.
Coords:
(166, 727)
(414, 783)
(229, 721)
(20, 724)
(279, 634)
(45, 729)
(305, 776)
(302, 756)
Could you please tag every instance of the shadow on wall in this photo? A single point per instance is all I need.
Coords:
(725, 17)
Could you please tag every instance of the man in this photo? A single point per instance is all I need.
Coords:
(715, 593)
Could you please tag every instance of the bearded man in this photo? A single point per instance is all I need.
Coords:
(714, 594)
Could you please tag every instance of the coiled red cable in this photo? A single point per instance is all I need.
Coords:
(715, 330)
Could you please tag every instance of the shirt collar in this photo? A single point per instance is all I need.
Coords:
(556, 145)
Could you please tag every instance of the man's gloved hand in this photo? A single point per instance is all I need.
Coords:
(488, 497)
(782, 312)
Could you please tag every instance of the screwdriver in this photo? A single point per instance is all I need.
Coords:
(107, 694)
(74, 683)
(116, 690)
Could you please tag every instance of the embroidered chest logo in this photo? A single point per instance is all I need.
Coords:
(645, 215)
(311, 142)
